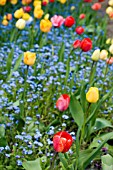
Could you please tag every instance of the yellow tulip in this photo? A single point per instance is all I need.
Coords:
(2, 2)
(63, 1)
(19, 13)
(36, 3)
(110, 2)
(38, 13)
(103, 54)
(108, 41)
(95, 55)
(92, 96)
(26, 16)
(20, 24)
(5, 22)
(109, 10)
(111, 49)
(46, 17)
(29, 58)
(45, 25)
(13, 2)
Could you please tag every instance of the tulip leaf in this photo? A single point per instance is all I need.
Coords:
(9, 61)
(100, 138)
(63, 160)
(94, 113)
(84, 161)
(100, 123)
(2, 131)
(61, 52)
(17, 64)
(107, 162)
(83, 97)
(76, 111)
(32, 165)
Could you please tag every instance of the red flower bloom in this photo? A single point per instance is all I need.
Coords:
(51, 0)
(77, 44)
(69, 21)
(110, 60)
(86, 44)
(82, 16)
(100, 0)
(96, 6)
(62, 141)
(63, 102)
(79, 30)
(87, 0)
(27, 9)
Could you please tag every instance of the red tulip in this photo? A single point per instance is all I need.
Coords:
(62, 141)
(51, 0)
(82, 16)
(63, 102)
(79, 30)
(86, 44)
(87, 0)
(96, 6)
(77, 44)
(110, 60)
(69, 21)
(27, 8)
(100, 0)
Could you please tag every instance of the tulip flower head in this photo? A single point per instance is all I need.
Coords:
(103, 54)
(96, 55)
(63, 102)
(92, 96)
(29, 58)
(62, 141)
(96, 6)
(45, 25)
(69, 21)
(76, 44)
(82, 16)
(57, 20)
(79, 30)
(20, 24)
(86, 44)
(110, 60)
(111, 49)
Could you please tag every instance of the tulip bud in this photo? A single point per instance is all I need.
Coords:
(62, 141)
(20, 24)
(92, 95)
(108, 41)
(29, 58)
(95, 55)
(82, 16)
(103, 54)
(111, 49)
(63, 102)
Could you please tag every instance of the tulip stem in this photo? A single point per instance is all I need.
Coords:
(83, 127)
(24, 93)
(106, 69)
(53, 161)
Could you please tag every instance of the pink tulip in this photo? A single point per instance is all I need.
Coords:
(57, 20)
(63, 102)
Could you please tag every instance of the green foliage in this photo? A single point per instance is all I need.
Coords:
(32, 165)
